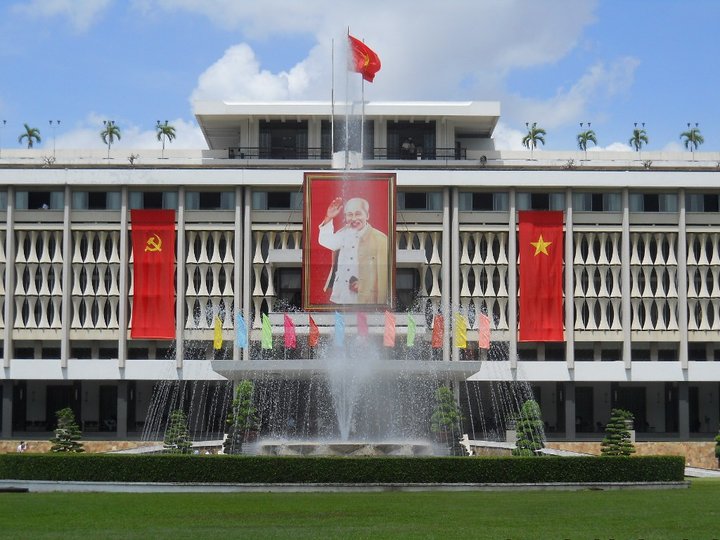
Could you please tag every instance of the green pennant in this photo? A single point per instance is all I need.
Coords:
(266, 338)
(411, 331)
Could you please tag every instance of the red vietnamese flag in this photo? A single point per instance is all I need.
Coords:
(363, 59)
(540, 247)
(153, 242)
(314, 334)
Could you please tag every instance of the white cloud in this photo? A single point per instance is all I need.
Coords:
(612, 147)
(87, 135)
(237, 76)
(507, 138)
(81, 13)
(601, 81)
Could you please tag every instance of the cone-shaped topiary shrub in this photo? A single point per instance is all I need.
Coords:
(530, 430)
(67, 434)
(241, 419)
(617, 434)
(177, 437)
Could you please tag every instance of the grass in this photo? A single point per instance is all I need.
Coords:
(656, 514)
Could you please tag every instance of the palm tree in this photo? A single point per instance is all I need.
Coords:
(638, 139)
(31, 134)
(534, 135)
(585, 137)
(164, 131)
(693, 139)
(110, 133)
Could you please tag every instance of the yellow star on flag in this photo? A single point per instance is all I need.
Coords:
(541, 246)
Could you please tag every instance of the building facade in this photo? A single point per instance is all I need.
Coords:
(641, 265)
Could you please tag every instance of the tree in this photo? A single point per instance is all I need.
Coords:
(110, 133)
(241, 419)
(177, 437)
(692, 139)
(534, 136)
(617, 435)
(165, 132)
(584, 138)
(67, 433)
(31, 134)
(530, 430)
(717, 447)
(638, 139)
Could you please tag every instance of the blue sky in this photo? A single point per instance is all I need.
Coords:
(554, 62)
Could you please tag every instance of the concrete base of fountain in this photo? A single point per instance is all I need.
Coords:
(342, 448)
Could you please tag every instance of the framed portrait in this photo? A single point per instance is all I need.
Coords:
(348, 241)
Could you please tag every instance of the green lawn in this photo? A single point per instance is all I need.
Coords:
(650, 514)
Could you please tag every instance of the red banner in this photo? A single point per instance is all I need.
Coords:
(540, 247)
(153, 241)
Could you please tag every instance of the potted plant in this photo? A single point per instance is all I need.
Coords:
(530, 430)
(446, 418)
(242, 420)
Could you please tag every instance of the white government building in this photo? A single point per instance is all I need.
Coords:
(641, 275)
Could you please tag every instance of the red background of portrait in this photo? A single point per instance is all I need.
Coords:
(321, 189)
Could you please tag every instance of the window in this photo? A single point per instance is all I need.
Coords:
(640, 355)
(584, 355)
(653, 202)
(596, 202)
(407, 285)
(418, 200)
(288, 284)
(540, 201)
(483, 202)
(25, 353)
(210, 200)
(39, 200)
(107, 353)
(667, 355)
(697, 352)
(554, 352)
(277, 200)
(611, 355)
(154, 199)
(283, 140)
(82, 353)
(702, 202)
(96, 200)
(3, 201)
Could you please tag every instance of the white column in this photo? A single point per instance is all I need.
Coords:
(9, 314)
(66, 278)
(180, 280)
(240, 263)
(455, 269)
(625, 279)
(682, 281)
(246, 263)
(512, 282)
(445, 289)
(123, 279)
(569, 283)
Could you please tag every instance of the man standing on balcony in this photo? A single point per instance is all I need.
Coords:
(360, 273)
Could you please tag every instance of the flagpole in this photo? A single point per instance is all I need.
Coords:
(362, 121)
(347, 108)
(332, 98)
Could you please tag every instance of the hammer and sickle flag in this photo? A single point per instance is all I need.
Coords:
(153, 305)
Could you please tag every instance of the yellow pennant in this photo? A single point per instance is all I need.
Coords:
(218, 338)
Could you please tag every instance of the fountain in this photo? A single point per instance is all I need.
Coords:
(355, 399)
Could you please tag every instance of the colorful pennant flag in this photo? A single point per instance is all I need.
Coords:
(290, 336)
(362, 325)
(483, 331)
(363, 59)
(389, 335)
(266, 335)
(438, 332)
(217, 337)
(411, 329)
(153, 304)
(540, 247)
(460, 331)
(339, 330)
(313, 334)
(241, 331)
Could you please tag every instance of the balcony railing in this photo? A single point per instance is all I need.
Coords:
(255, 152)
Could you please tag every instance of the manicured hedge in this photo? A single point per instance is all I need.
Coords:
(266, 469)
